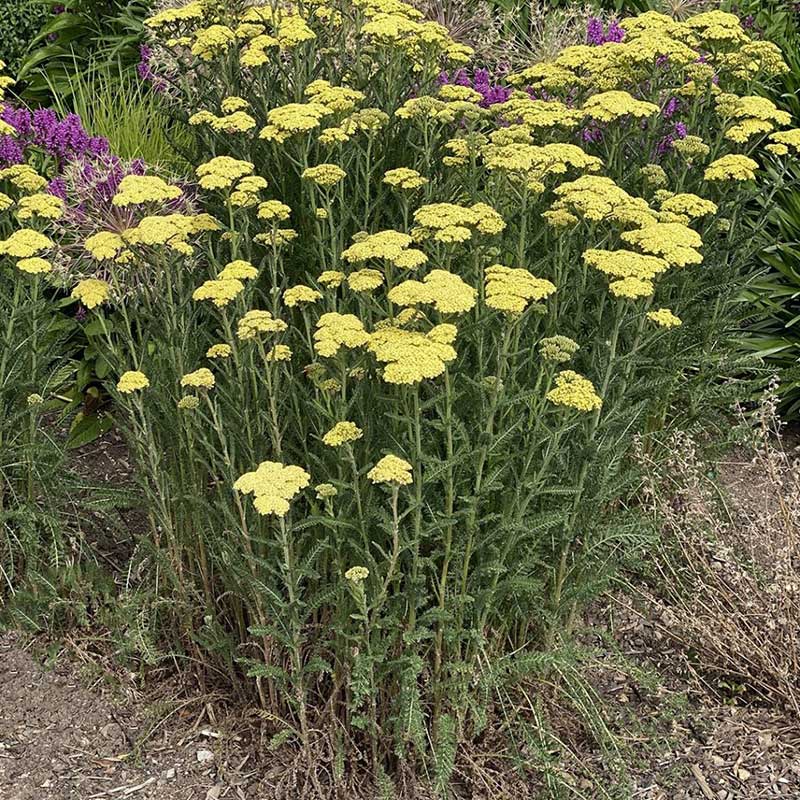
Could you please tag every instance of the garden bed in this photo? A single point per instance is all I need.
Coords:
(77, 725)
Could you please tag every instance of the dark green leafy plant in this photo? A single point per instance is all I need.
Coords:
(84, 35)
(20, 21)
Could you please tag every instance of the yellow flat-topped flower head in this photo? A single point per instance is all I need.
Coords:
(274, 211)
(25, 243)
(42, 205)
(34, 265)
(443, 290)
(105, 245)
(239, 270)
(222, 172)
(558, 349)
(631, 288)
(219, 351)
(513, 290)
(331, 278)
(364, 280)
(664, 318)
(342, 433)
(356, 574)
(673, 241)
(410, 356)
(404, 178)
(325, 175)
(258, 321)
(392, 470)
(732, 167)
(300, 295)
(132, 381)
(220, 292)
(202, 378)
(574, 391)
(325, 491)
(91, 292)
(280, 352)
(140, 189)
(335, 331)
(273, 486)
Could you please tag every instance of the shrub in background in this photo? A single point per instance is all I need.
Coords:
(382, 384)
(76, 38)
(20, 21)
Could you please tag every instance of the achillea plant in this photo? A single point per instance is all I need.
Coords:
(383, 384)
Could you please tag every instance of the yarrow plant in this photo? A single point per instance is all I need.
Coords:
(383, 383)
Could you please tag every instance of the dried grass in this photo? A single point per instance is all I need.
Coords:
(729, 579)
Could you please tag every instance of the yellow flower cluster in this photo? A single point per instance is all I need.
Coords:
(392, 470)
(398, 26)
(608, 106)
(258, 321)
(219, 351)
(235, 122)
(213, 41)
(239, 270)
(391, 246)
(342, 433)
(42, 205)
(340, 99)
(404, 178)
(558, 349)
(24, 243)
(91, 292)
(325, 175)
(732, 167)
(140, 189)
(34, 266)
(202, 378)
(631, 288)
(220, 291)
(443, 290)
(450, 223)
(539, 161)
(222, 172)
(598, 198)
(574, 391)
(783, 141)
(105, 245)
(625, 263)
(686, 206)
(364, 280)
(172, 230)
(291, 119)
(673, 241)
(300, 295)
(410, 356)
(664, 318)
(512, 290)
(539, 114)
(24, 177)
(132, 381)
(273, 486)
(274, 211)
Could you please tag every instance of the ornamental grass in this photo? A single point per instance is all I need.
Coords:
(382, 380)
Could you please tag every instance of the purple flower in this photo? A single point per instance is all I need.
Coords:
(58, 187)
(10, 151)
(593, 134)
(597, 34)
(481, 82)
(680, 130)
(671, 107)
